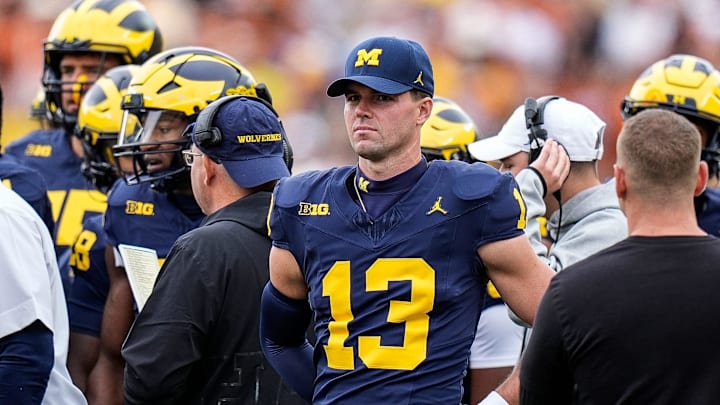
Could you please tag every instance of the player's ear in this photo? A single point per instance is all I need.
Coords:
(620, 183)
(702, 178)
(210, 169)
(424, 109)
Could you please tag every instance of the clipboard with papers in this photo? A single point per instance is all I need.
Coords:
(142, 268)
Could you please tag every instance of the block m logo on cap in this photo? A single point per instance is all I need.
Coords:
(371, 58)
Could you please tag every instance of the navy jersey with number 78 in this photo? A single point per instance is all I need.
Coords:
(396, 299)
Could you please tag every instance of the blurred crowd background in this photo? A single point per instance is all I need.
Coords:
(488, 55)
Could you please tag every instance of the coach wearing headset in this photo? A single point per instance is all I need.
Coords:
(583, 213)
(196, 339)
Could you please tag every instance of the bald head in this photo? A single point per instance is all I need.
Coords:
(659, 151)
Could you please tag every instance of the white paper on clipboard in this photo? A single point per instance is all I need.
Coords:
(142, 268)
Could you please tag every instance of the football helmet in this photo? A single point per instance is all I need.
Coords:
(98, 124)
(448, 131)
(165, 97)
(687, 85)
(122, 28)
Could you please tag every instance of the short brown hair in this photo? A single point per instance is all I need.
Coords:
(660, 153)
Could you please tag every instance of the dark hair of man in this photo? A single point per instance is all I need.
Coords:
(418, 95)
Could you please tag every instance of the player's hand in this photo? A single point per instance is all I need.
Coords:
(553, 165)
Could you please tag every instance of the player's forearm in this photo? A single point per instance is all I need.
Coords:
(105, 381)
(105, 388)
(283, 323)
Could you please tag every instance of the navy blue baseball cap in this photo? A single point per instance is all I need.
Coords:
(388, 65)
(251, 149)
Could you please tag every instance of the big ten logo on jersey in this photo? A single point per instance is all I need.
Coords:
(314, 209)
(139, 208)
(38, 150)
(69, 210)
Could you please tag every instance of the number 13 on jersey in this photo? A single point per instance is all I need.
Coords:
(413, 314)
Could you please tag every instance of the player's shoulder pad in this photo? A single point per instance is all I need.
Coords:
(41, 135)
(477, 180)
(290, 191)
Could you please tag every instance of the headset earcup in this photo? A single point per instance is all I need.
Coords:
(208, 138)
(535, 118)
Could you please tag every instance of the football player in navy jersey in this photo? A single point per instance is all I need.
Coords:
(689, 86)
(87, 38)
(391, 257)
(154, 205)
(98, 126)
(25, 181)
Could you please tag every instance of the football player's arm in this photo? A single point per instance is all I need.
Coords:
(284, 317)
(26, 360)
(518, 274)
(105, 382)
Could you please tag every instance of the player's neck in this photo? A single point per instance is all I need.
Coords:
(388, 168)
(666, 220)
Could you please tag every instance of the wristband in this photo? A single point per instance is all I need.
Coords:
(493, 398)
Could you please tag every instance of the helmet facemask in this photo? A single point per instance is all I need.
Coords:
(154, 149)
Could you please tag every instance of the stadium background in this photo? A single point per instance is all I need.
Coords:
(488, 54)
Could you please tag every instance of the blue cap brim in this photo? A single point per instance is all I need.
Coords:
(379, 84)
(254, 172)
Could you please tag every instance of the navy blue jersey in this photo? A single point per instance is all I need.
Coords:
(709, 216)
(30, 185)
(72, 196)
(397, 298)
(90, 288)
(139, 216)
